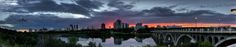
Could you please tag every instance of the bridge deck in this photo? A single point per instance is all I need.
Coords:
(178, 31)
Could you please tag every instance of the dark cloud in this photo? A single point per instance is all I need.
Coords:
(166, 12)
(205, 16)
(88, 4)
(173, 6)
(159, 11)
(49, 5)
(120, 5)
(153, 15)
(218, 5)
(2, 22)
(47, 21)
(166, 15)
(83, 7)
(111, 16)
(182, 9)
(200, 13)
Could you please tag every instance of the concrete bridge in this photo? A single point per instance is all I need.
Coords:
(218, 38)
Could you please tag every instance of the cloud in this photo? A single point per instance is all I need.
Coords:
(166, 15)
(48, 5)
(59, 2)
(80, 8)
(56, 13)
(154, 15)
(60, 14)
(49, 13)
(43, 20)
(119, 4)
(6, 25)
(89, 4)
(6, 2)
(4, 15)
(159, 11)
(170, 16)
(70, 6)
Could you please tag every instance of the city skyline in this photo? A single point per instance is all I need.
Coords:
(111, 24)
(90, 13)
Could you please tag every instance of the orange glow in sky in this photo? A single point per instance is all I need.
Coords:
(110, 24)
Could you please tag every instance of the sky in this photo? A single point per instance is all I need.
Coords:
(91, 13)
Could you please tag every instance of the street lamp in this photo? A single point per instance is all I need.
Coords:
(195, 18)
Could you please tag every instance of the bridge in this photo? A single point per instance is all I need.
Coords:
(217, 37)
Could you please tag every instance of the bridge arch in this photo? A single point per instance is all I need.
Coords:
(202, 38)
(226, 42)
(184, 35)
(168, 34)
(210, 39)
(216, 39)
(160, 36)
(169, 38)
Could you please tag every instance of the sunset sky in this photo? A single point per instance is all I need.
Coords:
(87, 13)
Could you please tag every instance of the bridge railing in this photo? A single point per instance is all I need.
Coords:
(203, 30)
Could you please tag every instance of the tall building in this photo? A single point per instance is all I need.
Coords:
(126, 25)
(74, 27)
(138, 26)
(103, 26)
(120, 25)
(117, 24)
(71, 27)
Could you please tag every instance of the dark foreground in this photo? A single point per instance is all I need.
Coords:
(10, 38)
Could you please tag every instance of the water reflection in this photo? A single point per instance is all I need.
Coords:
(112, 42)
(233, 45)
(116, 40)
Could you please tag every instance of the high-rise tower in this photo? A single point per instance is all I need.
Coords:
(117, 24)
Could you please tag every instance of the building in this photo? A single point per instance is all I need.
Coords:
(138, 26)
(43, 30)
(126, 25)
(117, 24)
(74, 27)
(120, 25)
(71, 27)
(103, 26)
